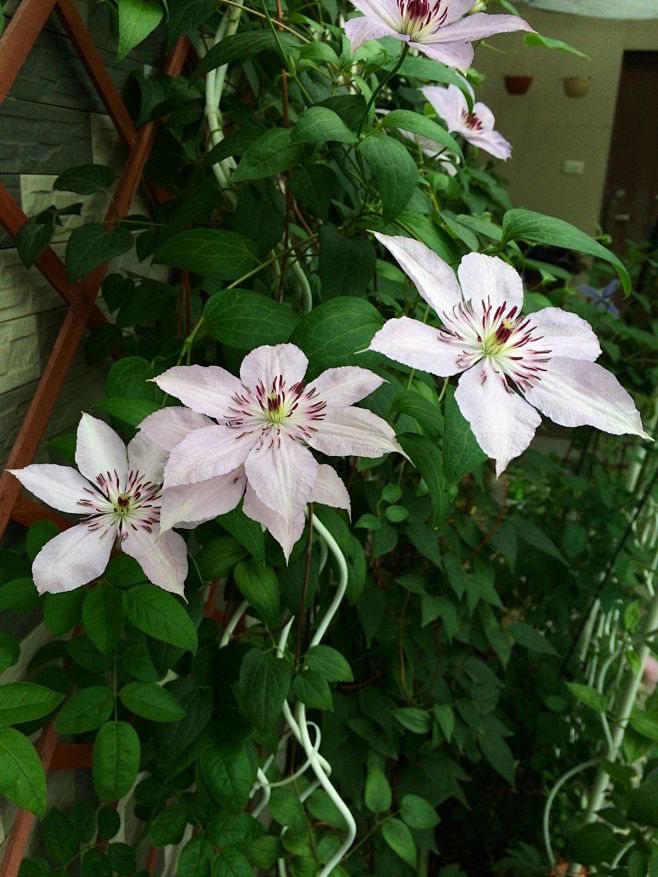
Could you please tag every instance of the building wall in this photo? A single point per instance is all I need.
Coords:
(547, 128)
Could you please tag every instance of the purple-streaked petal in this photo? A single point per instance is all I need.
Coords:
(190, 504)
(206, 453)
(493, 143)
(484, 115)
(417, 345)
(72, 559)
(282, 474)
(456, 54)
(99, 449)
(170, 426)
(565, 334)
(206, 389)
(447, 102)
(353, 432)
(576, 393)
(345, 385)
(329, 489)
(502, 422)
(434, 279)
(61, 487)
(488, 278)
(146, 458)
(266, 363)
(287, 533)
(362, 30)
(479, 26)
(162, 557)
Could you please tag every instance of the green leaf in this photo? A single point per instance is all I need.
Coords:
(20, 595)
(195, 857)
(259, 585)
(32, 240)
(245, 319)
(102, 617)
(593, 844)
(86, 710)
(211, 252)
(271, 154)
(445, 718)
(313, 690)
(347, 265)
(169, 825)
(393, 170)
(427, 414)
(264, 683)
(230, 829)
(417, 812)
(109, 822)
(588, 695)
(536, 537)
(644, 724)
(160, 615)
(91, 245)
(218, 557)
(532, 639)
(228, 773)
(536, 39)
(499, 756)
(461, 452)
(416, 123)
(239, 47)
(10, 652)
(536, 228)
(328, 663)
(378, 795)
(185, 16)
(413, 719)
(426, 457)
(137, 19)
(59, 839)
(22, 778)
(314, 187)
(26, 701)
(643, 806)
(400, 840)
(85, 179)
(319, 125)
(151, 701)
(95, 864)
(231, 863)
(115, 760)
(245, 531)
(39, 533)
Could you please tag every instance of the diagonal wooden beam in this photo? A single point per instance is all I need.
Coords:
(18, 39)
(27, 511)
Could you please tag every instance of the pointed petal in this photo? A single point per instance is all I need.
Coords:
(170, 426)
(447, 102)
(266, 363)
(485, 115)
(488, 277)
(455, 54)
(283, 475)
(574, 393)
(353, 432)
(287, 533)
(493, 143)
(99, 449)
(566, 335)
(384, 10)
(205, 389)
(205, 453)
(434, 279)
(457, 8)
(329, 489)
(345, 385)
(362, 30)
(146, 458)
(190, 504)
(162, 556)
(72, 559)
(417, 345)
(62, 487)
(481, 25)
(502, 422)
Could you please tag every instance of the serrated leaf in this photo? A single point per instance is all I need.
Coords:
(22, 778)
(151, 701)
(195, 858)
(228, 773)
(115, 760)
(532, 639)
(499, 756)
(231, 863)
(413, 719)
(312, 689)
(160, 615)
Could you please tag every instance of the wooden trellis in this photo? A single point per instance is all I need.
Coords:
(15, 46)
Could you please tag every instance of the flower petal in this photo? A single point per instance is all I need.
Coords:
(417, 345)
(455, 54)
(266, 363)
(457, 8)
(287, 533)
(502, 422)
(345, 385)
(384, 10)
(493, 143)
(72, 559)
(574, 393)
(99, 449)
(362, 30)
(353, 432)
(480, 25)
(447, 102)
(566, 335)
(434, 279)
(162, 556)
(329, 489)
(170, 426)
(205, 453)
(488, 277)
(190, 504)
(283, 474)
(484, 115)
(206, 389)
(62, 487)
(146, 458)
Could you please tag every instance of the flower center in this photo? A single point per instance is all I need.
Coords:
(118, 506)
(421, 18)
(472, 121)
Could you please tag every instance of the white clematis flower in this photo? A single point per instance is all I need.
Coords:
(118, 491)
(476, 126)
(510, 364)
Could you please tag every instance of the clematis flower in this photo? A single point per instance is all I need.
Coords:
(477, 127)
(437, 28)
(258, 432)
(447, 161)
(602, 297)
(510, 364)
(117, 489)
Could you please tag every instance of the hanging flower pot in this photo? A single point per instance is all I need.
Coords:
(576, 86)
(517, 84)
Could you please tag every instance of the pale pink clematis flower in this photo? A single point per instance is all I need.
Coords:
(650, 674)
(118, 491)
(437, 28)
(510, 364)
(448, 161)
(477, 127)
(262, 427)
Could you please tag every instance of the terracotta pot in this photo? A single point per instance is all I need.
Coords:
(576, 86)
(517, 84)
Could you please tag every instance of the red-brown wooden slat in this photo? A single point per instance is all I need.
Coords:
(19, 37)
(72, 756)
(27, 511)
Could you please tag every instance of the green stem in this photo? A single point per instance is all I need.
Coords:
(385, 81)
